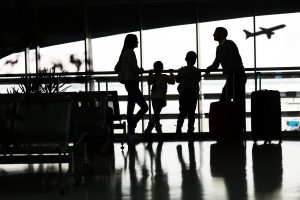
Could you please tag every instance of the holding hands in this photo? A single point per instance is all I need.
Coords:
(207, 71)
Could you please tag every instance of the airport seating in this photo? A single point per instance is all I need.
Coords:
(46, 124)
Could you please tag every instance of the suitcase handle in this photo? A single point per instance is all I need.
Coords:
(258, 75)
(233, 93)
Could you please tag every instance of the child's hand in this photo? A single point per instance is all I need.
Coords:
(207, 72)
(141, 70)
(171, 71)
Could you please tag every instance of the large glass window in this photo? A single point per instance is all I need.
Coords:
(64, 57)
(106, 51)
(277, 41)
(13, 64)
(168, 45)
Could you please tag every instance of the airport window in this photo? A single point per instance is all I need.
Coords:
(277, 41)
(67, 57)
(13, 64)
(64, 57)
(169, 45)
(106, 51)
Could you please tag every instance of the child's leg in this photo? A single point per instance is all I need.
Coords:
(191, 112)
(183, 101)
(158, 104)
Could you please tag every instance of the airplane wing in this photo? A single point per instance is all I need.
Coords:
(267, 31)
(269, 34)
(263, 29)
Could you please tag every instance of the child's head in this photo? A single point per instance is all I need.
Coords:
(191, 58)
(158, 66)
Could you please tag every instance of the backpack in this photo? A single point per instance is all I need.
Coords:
(118, 67)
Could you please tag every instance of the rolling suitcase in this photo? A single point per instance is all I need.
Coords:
(225, 122)
(265, 115)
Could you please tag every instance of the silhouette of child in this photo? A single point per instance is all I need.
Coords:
(188, 78)
(159, 84)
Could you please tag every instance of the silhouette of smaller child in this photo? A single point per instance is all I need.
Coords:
(159, 84)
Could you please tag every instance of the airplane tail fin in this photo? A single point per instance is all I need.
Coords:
(248, 34)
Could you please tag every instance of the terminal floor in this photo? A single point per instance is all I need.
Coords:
(170, 170)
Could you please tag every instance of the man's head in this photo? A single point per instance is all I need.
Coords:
(220, 34)
(191, 58)
(158, 66)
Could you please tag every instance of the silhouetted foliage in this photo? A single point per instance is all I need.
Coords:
(45, 81)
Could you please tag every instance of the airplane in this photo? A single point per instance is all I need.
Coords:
(268, 31)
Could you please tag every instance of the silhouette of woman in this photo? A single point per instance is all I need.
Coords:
(128, 71)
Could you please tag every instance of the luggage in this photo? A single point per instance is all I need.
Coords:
(224, 121)
(266, 115)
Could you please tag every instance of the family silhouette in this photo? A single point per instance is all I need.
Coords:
(188, 78)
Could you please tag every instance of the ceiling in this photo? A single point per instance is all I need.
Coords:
(25, 23)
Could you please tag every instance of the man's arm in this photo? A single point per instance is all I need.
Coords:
(215, 64)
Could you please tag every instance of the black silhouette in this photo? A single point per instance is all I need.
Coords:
(188, 78)
(158, 94)
(160, 188)
(137, 187)
(266, 115)
(191, 186)
(129, 75)
(228, 160)
(267, 169)
(228, 56)
(76, 61)
(12, 62)
(268, 31)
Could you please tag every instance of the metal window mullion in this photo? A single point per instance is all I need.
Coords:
(141, 56)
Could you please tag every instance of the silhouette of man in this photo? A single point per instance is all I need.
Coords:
(188, 78)
(228, 56)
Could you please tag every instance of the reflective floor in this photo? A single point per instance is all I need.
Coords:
(170, 170)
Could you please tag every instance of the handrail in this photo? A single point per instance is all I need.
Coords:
(111, 77)
(296, 68)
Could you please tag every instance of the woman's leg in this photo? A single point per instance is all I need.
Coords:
(135, 96)
(140, 100)
(130, 106)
